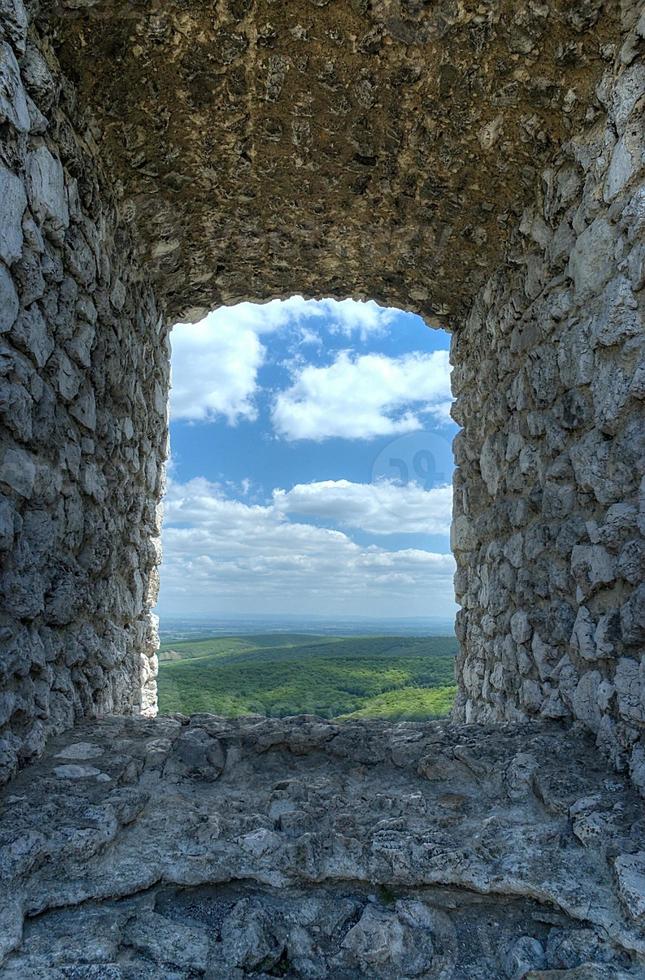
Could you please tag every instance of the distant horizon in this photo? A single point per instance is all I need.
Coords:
(299, 617)
(187, 626)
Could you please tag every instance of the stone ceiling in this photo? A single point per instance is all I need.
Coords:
(373, 148)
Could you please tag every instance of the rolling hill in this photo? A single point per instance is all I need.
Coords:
(396, 677)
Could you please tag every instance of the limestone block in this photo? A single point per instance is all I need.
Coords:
(39, 534)
(520, 627)
(462, 533)
(13, 18)
(52, 260)
(588, 265)
(13, 98)
(531, 695)
(7, 523)
(585, 699)
(631, 561)
(28, 277)
(595, 471)
(38, 78)
(620, 522)
(9, 302)
(545, 657)
(619, 317)
(632, 617)
(68, 377)
(84, 408)
(169, 944)
(636, 266)
(93, 482)
(16, 407)
(560, 468)
(637, 766)
(571, 531)
(613, 384)
(46, 188)
(18, 471)
(558, 501)
(629, 680)
(592, 567)
(628, 89)
(630, 873)
(543, 373)
(607, 635)
(80, 345)
(26, 590)
(13, 202)
(514, 548)
(561, 244)
(30, 332)
(575, 355)
(582, 639)
(80, 258)
(38, 123)
(86, 309)
(626, 161)
(574, 408)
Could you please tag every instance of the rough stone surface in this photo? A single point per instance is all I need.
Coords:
(159, 159)
(301, 848)
(381, 148)
(78, 372)
(547, 378)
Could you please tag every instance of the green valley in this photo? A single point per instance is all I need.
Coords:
(280, 674)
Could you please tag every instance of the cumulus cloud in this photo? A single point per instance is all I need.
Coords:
(214, 370)
(350, 317)
(377, 508)
(215, 362)
(361, 397)
(347, 316)
(252, 558)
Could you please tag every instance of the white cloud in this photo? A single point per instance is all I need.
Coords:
(241, 558)
(346, 316)
(364, 397)
(214, 370)
(215, 362)
(349, 317)
(377, 508)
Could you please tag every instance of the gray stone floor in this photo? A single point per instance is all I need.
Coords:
(182, 848)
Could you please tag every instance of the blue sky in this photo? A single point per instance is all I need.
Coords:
(311, 464)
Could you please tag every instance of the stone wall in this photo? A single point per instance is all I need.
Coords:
(549, 492)
(83, 390)
(416, 208)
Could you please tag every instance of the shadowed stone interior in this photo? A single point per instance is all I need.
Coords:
(377, 148)
(478, 162)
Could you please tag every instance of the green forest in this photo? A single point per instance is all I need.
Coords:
(275, 675)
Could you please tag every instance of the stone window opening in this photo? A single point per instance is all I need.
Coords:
(320, 430)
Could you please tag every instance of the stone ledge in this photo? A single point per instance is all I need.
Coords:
(197, 847)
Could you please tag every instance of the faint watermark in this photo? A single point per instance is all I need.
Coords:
(420, 458)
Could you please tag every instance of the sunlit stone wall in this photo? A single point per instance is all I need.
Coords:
(83, 391)
(549, 492)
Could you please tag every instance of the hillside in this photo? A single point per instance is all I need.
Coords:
(285, 674)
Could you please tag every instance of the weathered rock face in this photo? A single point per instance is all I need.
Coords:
(83, 382)
(300, 848)
(159, 159)
(356, 147)
(550, 488)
